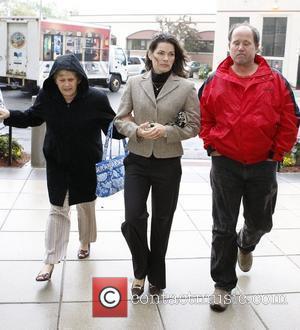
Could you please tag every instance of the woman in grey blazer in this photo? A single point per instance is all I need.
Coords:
(165, 110)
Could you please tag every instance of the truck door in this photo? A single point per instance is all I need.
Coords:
(119, 63)
(17, 50)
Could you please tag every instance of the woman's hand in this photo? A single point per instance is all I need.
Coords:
(151, 131)
(4, 113)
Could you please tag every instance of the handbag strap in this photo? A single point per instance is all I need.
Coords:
(108, 143)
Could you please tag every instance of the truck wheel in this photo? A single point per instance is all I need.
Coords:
(115, 83)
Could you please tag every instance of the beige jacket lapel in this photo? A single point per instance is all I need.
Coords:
(146, 84)
(171, 83)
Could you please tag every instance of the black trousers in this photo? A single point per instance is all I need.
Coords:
(163, 177)
(232, 182)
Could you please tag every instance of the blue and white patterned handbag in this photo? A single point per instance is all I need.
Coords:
(110, 172)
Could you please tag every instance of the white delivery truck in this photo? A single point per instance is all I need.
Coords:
(29, 46)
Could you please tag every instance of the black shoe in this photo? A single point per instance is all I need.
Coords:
(137, 288)
(154, 290)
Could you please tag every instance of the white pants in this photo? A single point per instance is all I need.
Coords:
(58, 228)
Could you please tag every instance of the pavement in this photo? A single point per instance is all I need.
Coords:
(267, 297)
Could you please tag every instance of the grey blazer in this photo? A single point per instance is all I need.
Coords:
(178, 94)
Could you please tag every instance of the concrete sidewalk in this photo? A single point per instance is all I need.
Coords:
(268, 297)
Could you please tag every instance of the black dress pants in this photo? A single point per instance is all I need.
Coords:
(163, 177)
(232, 182)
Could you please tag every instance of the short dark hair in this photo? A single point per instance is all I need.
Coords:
(254, 31)
(180, 56)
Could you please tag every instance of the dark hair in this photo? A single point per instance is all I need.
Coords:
(254, 31)
(180, 56)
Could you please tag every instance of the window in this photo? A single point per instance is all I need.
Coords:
(57, 48)
(47, 48)
(53, 47)
(273, 36)
(120, 56)
(92, 49)
(199, 46)
(78, 48)
(138, 44)
(275, 64)
(236, 20)
(134, 60)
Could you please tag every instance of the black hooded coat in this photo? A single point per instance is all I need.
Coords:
(72, 142)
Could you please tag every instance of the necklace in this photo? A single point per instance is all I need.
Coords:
(157, 88)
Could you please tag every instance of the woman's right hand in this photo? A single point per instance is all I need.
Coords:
(151, 131)
(4, 113)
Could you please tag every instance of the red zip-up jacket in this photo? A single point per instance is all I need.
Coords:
(248, 124)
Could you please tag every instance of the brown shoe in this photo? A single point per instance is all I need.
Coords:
(219, 300)
(245, 260)
(44, 276)
(137, 287)
(82, 254)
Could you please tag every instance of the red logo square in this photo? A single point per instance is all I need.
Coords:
(110, 297)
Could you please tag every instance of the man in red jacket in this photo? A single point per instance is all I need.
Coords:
(248, 122)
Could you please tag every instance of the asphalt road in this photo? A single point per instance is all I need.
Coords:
(16, 100)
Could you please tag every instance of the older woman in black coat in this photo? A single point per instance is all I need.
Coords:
(74, 114)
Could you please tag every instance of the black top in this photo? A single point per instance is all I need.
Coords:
(158, 80)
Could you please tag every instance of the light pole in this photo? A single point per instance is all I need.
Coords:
(41, 9)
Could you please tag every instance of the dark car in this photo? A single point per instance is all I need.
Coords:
(192, 66)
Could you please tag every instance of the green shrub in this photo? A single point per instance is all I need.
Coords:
(204, 71)
(17, 149)
(289, 160)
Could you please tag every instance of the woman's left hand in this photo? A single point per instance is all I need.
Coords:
(155, 131)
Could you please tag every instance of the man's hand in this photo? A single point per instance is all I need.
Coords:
(4, 113)
(151, 131)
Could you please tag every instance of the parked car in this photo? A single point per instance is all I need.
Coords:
(136, 65)
(191, 67)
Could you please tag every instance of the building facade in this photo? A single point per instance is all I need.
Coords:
(276, 20)
(278, 24)
(134, 32)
